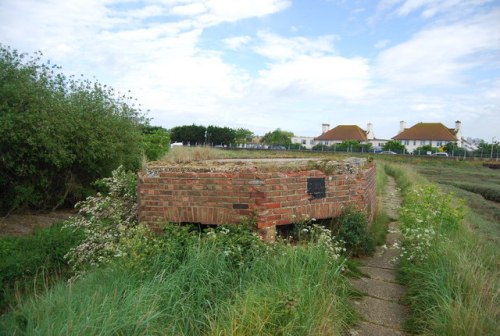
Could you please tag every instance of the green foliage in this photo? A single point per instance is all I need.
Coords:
(352, 228)
(277, 137)
(220, 135)
(25, 260)
(189, 135)
(106, 219)
(242, 136)
(352, 146)
(422, 150)
(156, 142)
(345, 146)
(59, 134)
(394, 146)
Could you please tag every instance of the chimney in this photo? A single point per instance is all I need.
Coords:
(369, 131)
(457, 126)
(325, 128)
(402, 126)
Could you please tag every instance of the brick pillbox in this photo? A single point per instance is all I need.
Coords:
(270, 191)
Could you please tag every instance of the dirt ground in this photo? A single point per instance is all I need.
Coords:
(23, 224)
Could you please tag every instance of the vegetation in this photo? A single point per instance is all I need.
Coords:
(277, 137)
(352, 228)
(221, 281)
(378, 228)
(345, 146)
(197, 135)
(59, 134)
(156, 142)
(477, 185)
(450, 272)
(394, 146)
(29, 264)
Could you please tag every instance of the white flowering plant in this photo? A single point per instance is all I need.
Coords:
(426, 216)
(106, 219)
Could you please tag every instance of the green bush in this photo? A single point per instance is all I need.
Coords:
(352, 228)
(59, 134)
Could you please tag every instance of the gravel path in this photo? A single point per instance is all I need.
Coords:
(380, 310)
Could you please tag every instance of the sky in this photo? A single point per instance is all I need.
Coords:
(289, 64)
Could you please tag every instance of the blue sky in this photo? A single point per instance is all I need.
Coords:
(264, 64)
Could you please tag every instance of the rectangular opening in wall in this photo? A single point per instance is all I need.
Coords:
(316, 187)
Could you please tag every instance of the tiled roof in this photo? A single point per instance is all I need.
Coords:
(427, 131)
(343, 133)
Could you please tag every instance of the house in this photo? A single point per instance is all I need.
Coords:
(343, 133)
(433, 134)
(307, 142)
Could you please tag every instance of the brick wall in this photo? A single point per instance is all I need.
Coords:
(208, 196)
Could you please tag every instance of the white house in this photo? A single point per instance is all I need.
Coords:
(307, 142)
(433, 134)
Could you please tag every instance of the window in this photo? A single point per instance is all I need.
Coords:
(414, 142)
(406, 142)
(439, 143)
(304, 142)
(422, 143)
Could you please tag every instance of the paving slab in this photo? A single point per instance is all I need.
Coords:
(379, 289)
(381, 312)
(383, 258)
(377, 273)
(370, 329)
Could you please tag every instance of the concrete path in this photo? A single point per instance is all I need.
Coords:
(380, 310)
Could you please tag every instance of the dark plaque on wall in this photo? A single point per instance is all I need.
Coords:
(316, 187)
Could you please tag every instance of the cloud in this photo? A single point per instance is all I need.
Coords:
(236, 42)
(382, 44)
(430, 8)
(278, 48)
(318, 75)
(439, 56)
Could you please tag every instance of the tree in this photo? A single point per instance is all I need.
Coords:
(424, 149)
(189, 135)
(277, 138)
(156, 142)
(220, 135)
(394, 146)
(352, 146)
(59, 134)
(243, 136)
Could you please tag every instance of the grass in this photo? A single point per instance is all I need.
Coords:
(205, 290)
(454, 289)
(478, 185)
(378, 228)
(31, 263)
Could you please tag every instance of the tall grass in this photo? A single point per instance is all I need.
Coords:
(378, 228)
(206, 290)
(31, 263)
(453, 282)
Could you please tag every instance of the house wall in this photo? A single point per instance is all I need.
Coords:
(411, 145)
(307, 142)
(271, 198)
